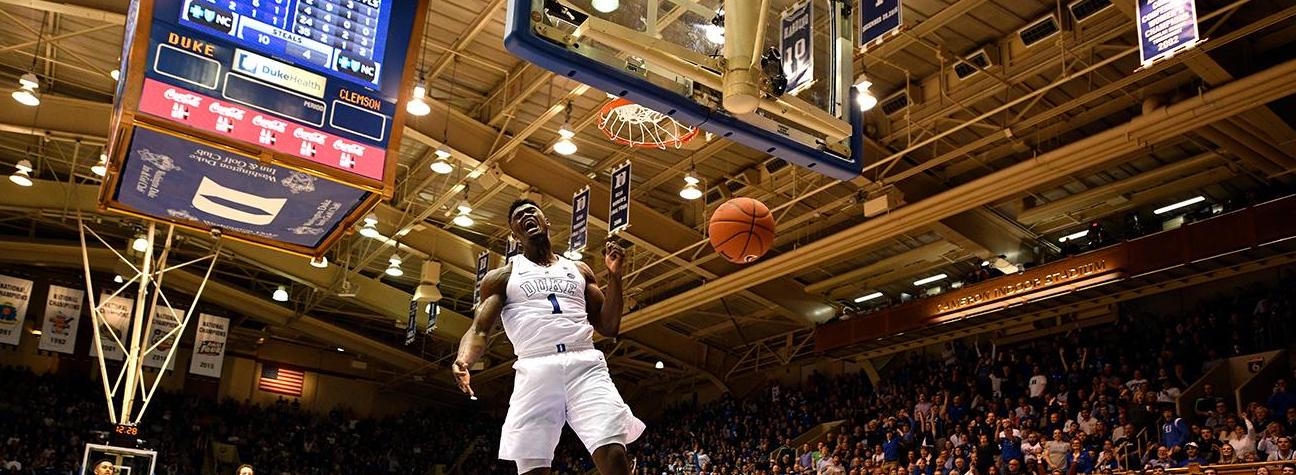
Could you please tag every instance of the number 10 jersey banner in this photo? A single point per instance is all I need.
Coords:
(304, 90)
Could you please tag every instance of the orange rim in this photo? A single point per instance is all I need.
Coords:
(606, 113)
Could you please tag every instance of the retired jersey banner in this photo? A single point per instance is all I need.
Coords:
(114, 318)
(512, 248)
(1165, 27)
(62, 318)
(411, 326)
(164, 320)
(797, 44)
(209, 346)
(619, 208)
(580, 220)
(14, 295)
(434, 310)
(483, 264)
(878, 19)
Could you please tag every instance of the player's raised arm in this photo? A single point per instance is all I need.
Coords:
(473, 343)
(604, 308)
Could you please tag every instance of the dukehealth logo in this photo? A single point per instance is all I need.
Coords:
(279, 74)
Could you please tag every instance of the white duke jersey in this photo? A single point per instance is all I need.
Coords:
(545, 306)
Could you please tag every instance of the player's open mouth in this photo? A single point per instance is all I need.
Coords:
(530, 225)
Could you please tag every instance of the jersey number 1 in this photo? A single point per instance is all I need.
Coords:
(553, 299)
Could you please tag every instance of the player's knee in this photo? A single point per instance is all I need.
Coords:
(611, 451)
(534, 466)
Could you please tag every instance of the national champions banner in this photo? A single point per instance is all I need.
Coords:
(483, 263)
(14, 295)
(1165, 27)
(580, 221)
(619, 200)
(160, 338)
(878, 19)
(114, 317)
(62, 318)
(797, 44)
(209, 346)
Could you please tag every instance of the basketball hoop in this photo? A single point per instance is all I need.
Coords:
(627, 123)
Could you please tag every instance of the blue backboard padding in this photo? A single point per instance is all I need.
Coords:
(521, 40)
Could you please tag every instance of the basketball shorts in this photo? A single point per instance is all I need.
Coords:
(573, 388)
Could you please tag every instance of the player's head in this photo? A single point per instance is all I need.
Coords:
(527, 222)
(245, 469)
(104, 467)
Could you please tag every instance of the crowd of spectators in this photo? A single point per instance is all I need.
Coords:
(1085, 401)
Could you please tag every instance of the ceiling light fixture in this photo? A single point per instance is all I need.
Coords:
(280, 294)
(864, 97)
(690, 191)
(565, 145)
(417, 106)
(442, 165)
(463, 210)
(715, 32)
(115, 74)
(605, 6)
(140, 243)
(370, 227)
(1075, 235)
(118, 279)
(394, 266)
(319, 262)
(101, 167)
(28, 93)
(1181, 204)
(22, 176)
(928, 280)
(868, 297)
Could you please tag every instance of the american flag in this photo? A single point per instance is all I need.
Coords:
(283, 381)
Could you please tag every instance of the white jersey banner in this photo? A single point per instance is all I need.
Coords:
(209, 346)
(14, 295)
(114, 318)
(62, 318)
(164, 320)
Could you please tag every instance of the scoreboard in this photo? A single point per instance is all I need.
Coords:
(296, 88)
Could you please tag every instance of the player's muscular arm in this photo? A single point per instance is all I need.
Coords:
(473, 343)
(604, 308)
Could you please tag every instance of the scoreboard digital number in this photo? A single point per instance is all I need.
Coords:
(315, 81)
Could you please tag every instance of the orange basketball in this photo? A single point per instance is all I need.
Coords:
(742, 230)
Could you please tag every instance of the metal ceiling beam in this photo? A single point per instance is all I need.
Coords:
(1151, 128)
(1115, 190)
(884, 270)
(107, 11)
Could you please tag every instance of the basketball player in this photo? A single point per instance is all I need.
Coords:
(550, 308)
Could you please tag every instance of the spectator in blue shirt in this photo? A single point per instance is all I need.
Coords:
(1078, 459)
(1194, 455)
(1174, 431)
(891, 449)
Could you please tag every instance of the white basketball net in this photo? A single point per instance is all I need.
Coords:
(638, 126)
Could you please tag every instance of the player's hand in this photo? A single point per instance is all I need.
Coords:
(462, 378)
(613, 255)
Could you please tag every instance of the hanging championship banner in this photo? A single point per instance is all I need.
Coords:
(483, 260)
(434, 311)
(797, 44)
(619, 206)
(411, 327)
(580, 221)
(114, 317)
(164, 320)
(209, 346)
(512, 248)
(62, 317)
(14, 295)
(1165, 27)
(878, 19)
